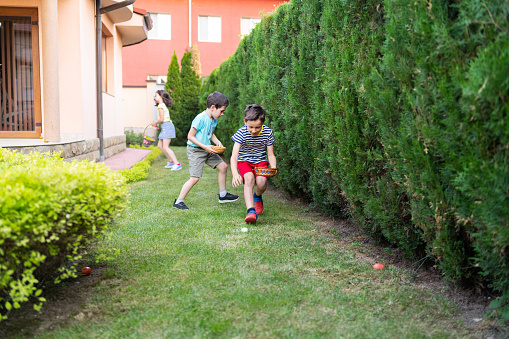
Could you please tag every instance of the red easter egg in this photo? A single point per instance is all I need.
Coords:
(86, 270)
(378, 266)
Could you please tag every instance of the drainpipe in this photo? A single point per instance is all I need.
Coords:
(99, 65)
(189, 23)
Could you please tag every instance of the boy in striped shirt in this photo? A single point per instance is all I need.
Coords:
(254, 145)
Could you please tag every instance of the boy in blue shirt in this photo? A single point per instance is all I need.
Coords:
(254, 142)
(200, 151)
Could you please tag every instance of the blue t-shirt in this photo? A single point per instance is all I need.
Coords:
(254, 148)
(205, 127)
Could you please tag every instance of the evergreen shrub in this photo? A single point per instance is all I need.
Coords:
(191, 84)
(393, 113)
(50, 210)
(173, 86)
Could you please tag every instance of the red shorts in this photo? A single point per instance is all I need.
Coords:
(246, 167)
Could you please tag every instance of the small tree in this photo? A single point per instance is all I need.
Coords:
(174, 87)
(173, 83)
(189, 107)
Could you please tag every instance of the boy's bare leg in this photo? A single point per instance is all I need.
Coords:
(249, 182)
(187, 187)
(261, 185)
(221, 177)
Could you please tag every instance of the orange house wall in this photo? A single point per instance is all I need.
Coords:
(153, 56)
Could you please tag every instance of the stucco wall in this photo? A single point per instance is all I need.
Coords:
(139, 107)
(70, 70)
(77, 70)
(88, 89)
(135, 100)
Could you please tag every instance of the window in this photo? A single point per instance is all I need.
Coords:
(107, 61)
(209, 28)
(247, 25)
(161, 26)
(20, 110)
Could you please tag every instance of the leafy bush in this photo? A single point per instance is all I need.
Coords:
(132, 138)
(50, 210)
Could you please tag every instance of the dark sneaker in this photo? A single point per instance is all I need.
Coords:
(180, 205)
(251, 218)
(228, 198)
(258, 204)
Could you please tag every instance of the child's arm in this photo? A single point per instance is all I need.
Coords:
(271, 156)
(237, 179)
(215, 140)
(161, 118)
(192, 137)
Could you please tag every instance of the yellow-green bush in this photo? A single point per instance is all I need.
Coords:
(50, 210)
(140, 170)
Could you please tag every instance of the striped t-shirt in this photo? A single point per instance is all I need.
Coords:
(254, 148)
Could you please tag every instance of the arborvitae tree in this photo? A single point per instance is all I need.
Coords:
(173, 83)
(174, 87)
(189, 108)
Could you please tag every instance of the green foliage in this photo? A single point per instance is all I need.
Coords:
(173, 86)
(191, 84)
(184, 87)
(140, 170)
(210, 83)
(393, 113)
(132, 138)
(173, 83)
(50, 210)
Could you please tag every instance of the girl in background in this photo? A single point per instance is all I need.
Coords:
(163, 102)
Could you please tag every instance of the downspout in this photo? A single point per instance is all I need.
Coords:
(99, 65)
(189, 23)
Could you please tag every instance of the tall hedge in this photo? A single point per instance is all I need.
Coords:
(393, 113)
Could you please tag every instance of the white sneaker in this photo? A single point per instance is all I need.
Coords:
(176, 167)
(169, 165)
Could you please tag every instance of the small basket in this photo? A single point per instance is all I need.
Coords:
(147, 141)
(266, 172)
(219, 149)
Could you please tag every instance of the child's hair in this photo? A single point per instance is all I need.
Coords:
(217, 99)
(254, 112)
(167, 100)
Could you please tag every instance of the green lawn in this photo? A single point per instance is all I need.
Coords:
(194, 274)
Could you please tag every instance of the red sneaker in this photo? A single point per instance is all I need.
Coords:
(251, 218)
(258, 202)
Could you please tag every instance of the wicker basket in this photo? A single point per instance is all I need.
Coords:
(266, 172)
(147, 141)
(219, 149)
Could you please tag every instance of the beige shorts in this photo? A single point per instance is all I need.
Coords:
(198, 157)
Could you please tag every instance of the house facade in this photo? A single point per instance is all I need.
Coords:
(49, 74)
(214, 26)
